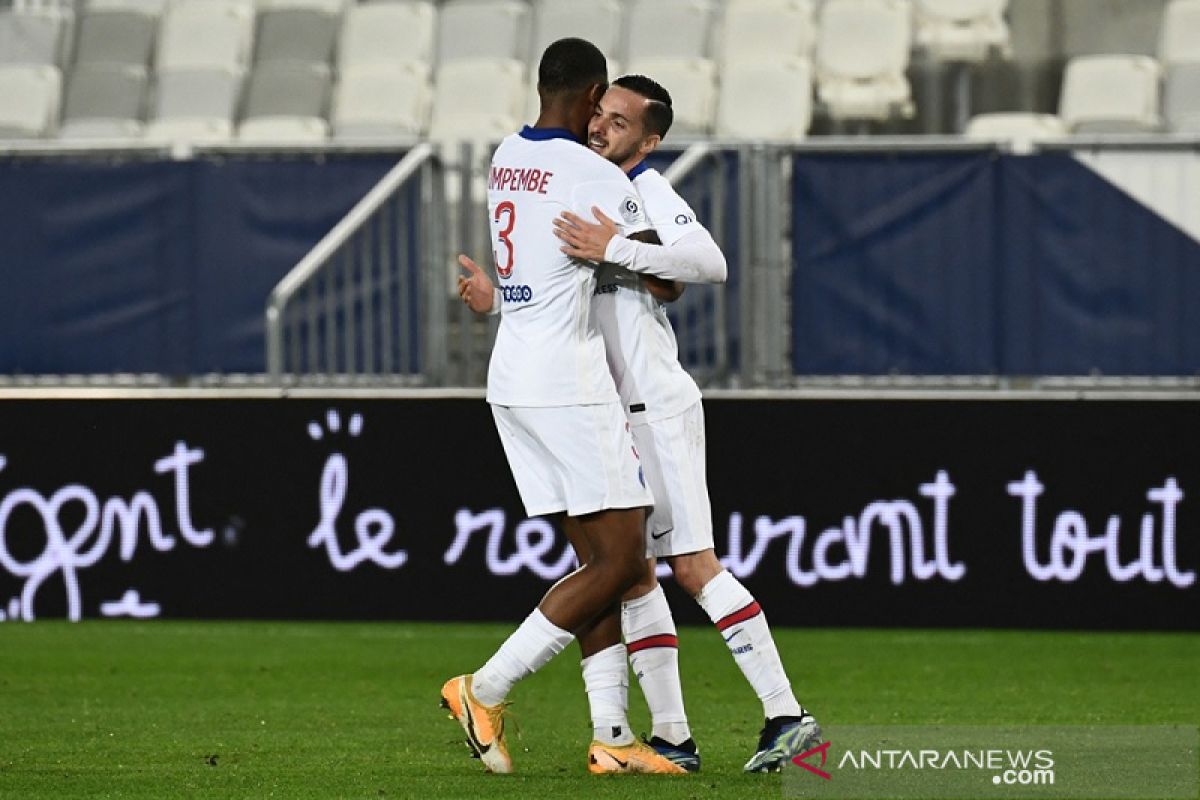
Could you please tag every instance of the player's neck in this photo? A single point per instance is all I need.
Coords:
(561, 115)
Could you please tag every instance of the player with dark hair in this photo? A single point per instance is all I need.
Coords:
(663, 405)
(558, 412)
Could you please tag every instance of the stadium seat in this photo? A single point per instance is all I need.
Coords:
(692, 83)
(741, 113)
(194, 105)
(374, 101)
(200, 34)
(962, 30)
(33, 37)
(668, 29)
(475, 29)
(189, 130)
(115, 36)
(387, 33)
(290, 101)
(295, 34)
(283, 130)
(477, 100)
(862, 53)
(598, 21)
(1111, 94)
(1181, 101)
(1179, 36)
(767, 30)
(31, 95)
(1021, 129)
(104, 101)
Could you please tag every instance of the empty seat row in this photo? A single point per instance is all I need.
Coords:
(1108, 94)
(479, 100)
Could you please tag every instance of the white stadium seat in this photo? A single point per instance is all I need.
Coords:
(767, 30)
(296, 35)
(373, 101)
(104, 101)
(194, 105)
(741, 112)
(598, 21)
(1179, 37)
(116, 36)
(31, 95)
(862, 53)
(1020, 128)
(275, 130)
(479, 100)
(199, 34)
(1111, 94)
(693, 88)
(387, 33)
(1181, 97)
(34, 37)
(474, 29)
(191, 130)
(962, 30)
(668, 29)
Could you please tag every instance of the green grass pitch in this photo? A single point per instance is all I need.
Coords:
(294, 710)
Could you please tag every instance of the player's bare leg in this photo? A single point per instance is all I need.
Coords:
(606, 679)
(614, 544)
(789, 729)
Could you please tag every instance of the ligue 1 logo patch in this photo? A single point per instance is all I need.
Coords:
(629, 210)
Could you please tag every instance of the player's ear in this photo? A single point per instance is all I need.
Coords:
(596, 92)
(650, 144)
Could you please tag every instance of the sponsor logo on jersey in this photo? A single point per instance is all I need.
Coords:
(684, 219)
(516, 293)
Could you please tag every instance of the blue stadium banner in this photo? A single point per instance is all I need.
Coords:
(158, 267)
(995, 513)
(985, 264)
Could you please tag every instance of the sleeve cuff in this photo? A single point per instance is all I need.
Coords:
(621, 251)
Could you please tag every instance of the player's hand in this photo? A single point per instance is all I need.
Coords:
(583, 239)
(476, 289)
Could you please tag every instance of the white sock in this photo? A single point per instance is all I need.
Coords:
(649, 632)
(527, 650)
(606, 679)
(743, 626)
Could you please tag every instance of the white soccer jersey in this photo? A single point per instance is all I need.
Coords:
(548, 350)
(643, 355)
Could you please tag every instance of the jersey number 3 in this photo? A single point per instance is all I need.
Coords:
(506, 217)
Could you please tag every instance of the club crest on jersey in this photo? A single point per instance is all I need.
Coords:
(684, 219)
(629, 210)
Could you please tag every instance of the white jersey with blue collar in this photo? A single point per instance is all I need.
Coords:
(643, 355)
(549, 351)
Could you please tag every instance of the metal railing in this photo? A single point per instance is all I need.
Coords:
(360, 305)
(319, 320)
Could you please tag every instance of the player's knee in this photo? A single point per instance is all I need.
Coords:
(694, 570)
(645, 584)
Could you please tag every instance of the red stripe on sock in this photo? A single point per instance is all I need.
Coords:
(739, 616)
(661, 640)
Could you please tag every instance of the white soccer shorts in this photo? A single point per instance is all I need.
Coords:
(577, 459)
(672, 452)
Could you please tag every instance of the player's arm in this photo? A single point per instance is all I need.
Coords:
(661, 289)
(694, 258)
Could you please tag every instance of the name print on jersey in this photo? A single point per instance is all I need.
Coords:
(519, 179)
